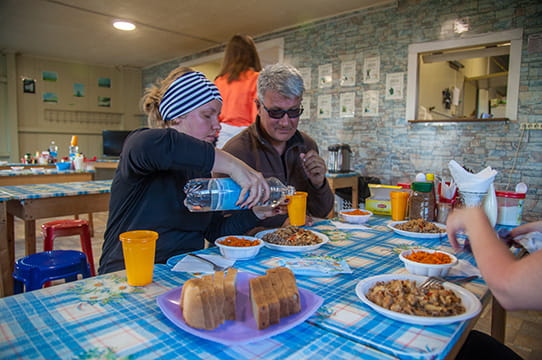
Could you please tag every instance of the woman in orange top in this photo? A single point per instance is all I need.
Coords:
(237, 85)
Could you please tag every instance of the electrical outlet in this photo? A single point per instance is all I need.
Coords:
(531, 126)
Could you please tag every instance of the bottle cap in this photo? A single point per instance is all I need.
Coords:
(430, 177)
(420, 177)
(74, 140)
(422, 186)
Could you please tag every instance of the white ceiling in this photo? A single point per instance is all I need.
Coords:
(81, 30)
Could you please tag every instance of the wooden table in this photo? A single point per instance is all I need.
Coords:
(27, 177)
(106, 164)
(346, 180)
(32, 202)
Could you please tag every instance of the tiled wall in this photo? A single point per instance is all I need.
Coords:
(387, 146)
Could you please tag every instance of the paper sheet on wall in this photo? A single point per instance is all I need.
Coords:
(394, 86)
(306, 75)
(347, 104)
(325, 76)
(348, 73)
(371, 70)
(324, 106)
(307, 107)
(370, 103)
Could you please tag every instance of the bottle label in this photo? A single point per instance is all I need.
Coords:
(224, 194)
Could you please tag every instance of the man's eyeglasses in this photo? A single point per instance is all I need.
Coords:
(279, 113)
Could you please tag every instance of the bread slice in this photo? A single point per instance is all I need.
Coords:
(260, 309)
(287, 278)
(230, 294)
(195, 304)
(272, 299)
(218, 281)
(280, 290)
(213, 307)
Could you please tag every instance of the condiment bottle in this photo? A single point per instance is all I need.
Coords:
(218, 194)
(422, 202)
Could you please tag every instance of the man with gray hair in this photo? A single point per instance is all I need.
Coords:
(274, 146)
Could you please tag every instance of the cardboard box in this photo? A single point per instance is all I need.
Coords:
(379, 202)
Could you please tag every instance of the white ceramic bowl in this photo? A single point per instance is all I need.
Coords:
(355, 219)
(36, 170)
(427, 269)
(17, 168)
(239, 253)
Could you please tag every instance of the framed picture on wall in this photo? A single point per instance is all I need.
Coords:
(104, 82)
(104, 101)
(29, 86)
(49, 76)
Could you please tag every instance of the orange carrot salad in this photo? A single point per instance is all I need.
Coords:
(238, 242)
(425, 257)
(356, 212)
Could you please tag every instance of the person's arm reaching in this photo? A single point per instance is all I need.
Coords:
(250, 180)
(516, 283)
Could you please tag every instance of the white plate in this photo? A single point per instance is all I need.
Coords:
(288, 248)
(470, 301)
(416, 234)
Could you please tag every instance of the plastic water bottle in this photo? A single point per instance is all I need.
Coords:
(53, 151)
(218, 194)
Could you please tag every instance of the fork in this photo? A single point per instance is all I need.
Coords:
(215, 266)
(432, 280)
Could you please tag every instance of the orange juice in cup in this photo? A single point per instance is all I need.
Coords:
(297, 208)
(139, 248)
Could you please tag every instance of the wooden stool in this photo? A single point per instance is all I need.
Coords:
(68, 227)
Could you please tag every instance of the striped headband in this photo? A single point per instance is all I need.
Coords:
(187, 93)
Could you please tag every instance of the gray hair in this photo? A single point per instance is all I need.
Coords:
(282, 78)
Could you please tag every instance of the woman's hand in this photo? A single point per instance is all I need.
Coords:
(264, 212)
(251, 181)
(526, 228)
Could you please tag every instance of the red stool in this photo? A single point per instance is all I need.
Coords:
(67, 227)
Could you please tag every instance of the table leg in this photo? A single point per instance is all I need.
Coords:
(30, 237)
(4, 251)
(498, 320)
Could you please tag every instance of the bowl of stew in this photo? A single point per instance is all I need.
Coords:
(239, 247)
(355, 216)
(428, 262)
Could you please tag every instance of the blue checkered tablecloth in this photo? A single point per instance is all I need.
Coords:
(104, 318)
(37, 191)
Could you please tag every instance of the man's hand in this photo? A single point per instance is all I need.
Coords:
(315, 168)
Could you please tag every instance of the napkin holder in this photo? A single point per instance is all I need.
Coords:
(379, 202)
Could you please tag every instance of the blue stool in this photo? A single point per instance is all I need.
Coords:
(34, 270)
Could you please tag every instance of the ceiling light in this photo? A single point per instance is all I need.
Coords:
(124, 25)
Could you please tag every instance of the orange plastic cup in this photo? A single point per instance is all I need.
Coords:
(399, 200)
(139, 248)
(297, 208)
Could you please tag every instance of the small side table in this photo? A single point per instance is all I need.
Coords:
(344, 180)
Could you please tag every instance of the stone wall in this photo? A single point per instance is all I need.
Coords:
(388, 146)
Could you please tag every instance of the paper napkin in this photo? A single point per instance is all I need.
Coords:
(464, 268)
(346, 226)
(469, 182)
(194, 265)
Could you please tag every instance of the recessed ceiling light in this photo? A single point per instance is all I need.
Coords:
(123, 25)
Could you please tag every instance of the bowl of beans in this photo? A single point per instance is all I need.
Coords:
(355, 216)
(239, 247)
(428, 262)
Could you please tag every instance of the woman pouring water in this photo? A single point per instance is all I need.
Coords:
(155, 164)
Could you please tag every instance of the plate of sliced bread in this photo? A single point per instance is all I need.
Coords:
(234, 308)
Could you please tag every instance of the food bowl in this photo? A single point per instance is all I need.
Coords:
(36, 170)
(17, 168)
(60, 166)
(419, 268)
(239, 252)
(350, 216)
